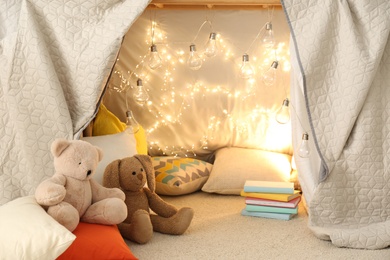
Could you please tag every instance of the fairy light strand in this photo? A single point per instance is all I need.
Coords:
(196, 88)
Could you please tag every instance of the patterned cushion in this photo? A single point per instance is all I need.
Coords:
(178, 176)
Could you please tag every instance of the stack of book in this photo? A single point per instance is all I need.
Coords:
(267, 199)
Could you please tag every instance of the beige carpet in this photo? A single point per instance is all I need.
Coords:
(218, 231)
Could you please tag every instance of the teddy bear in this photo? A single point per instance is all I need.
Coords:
(71, 195)
(130, 174)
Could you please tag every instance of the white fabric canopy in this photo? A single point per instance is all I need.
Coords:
(55, 57)
(342, 66)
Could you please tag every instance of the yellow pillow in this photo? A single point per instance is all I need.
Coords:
(106, 123)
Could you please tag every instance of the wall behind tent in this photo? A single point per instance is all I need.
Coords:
(195, 112)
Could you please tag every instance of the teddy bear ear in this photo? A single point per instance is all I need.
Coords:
(111, 175)
(58, 146)
(146, 162)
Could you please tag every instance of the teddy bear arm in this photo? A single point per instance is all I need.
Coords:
(99, 192)
(158, 205)
(51, 191)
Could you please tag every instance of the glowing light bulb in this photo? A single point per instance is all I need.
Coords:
(304, 149)
(269, 76)
(211, 46)
(132, 125)
(268, 40)
(246, 70)
(140, 95)
(283, 114)
(194, 61)
(155, 60)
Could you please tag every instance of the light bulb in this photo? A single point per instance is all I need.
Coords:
(269, 76)
(140, 95)
(194, 61)
(304, 149)
(246, 70)
(211, 46)
(283, 114)
(154, 58)
(132, 125)
(268, 40)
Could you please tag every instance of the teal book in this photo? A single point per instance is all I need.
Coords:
(282, 216)
(269, 187)
(258, 208)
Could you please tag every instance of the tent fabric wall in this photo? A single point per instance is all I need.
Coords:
(196, 112)
(55, 57)
(342, 67)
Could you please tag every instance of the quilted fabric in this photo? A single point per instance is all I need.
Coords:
(343, 58)
(54, 59)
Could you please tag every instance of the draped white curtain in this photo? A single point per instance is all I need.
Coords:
(342, 66)
(54, 57)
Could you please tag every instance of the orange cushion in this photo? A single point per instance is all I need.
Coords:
(94, 241)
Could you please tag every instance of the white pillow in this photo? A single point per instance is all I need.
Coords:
(233, 166)
(115, 146)
(28, 232)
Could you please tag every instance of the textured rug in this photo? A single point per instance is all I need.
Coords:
(219, 231)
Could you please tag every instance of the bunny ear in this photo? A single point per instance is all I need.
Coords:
(111, 175)
(146, 162)
(58, 146)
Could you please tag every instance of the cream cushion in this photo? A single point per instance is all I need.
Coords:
(114, 146)
(233, 166)
(28, 232)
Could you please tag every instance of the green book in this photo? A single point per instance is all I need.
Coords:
(258, 208)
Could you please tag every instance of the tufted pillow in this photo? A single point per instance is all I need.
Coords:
(178, 176)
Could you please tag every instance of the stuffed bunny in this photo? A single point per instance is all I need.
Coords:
(130, 175)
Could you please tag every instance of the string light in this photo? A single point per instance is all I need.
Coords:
(140, 95)
(268, 40)
(132, 125)
(155, 60)
(269, 76)
(182, 98)
(211, 46)
(283, 114)
(304, 148)
(246, 70)
(194, 61)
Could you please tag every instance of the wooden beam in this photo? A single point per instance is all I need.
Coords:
(215, 4)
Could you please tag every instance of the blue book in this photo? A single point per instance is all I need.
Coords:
(258, 208)
(269, 187)
(282, 216)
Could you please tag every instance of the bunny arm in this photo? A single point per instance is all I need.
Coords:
(99, 192)
(158, 205)
(51, 191)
